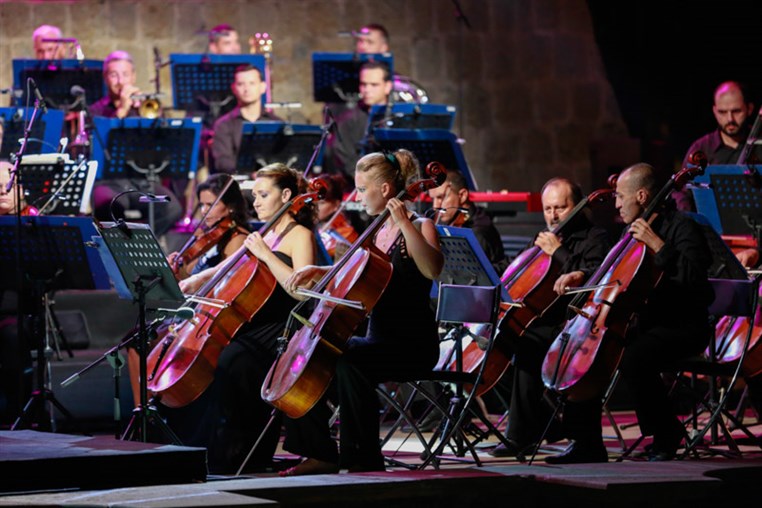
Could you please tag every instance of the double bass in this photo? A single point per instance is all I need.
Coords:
(584, 356)
(529, 281)
(182, 364)
(349, 291)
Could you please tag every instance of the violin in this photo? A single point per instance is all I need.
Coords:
(529, 281)
(347, 293)
(182, 364)
(197, 246)
(583, 358)
(337, 231)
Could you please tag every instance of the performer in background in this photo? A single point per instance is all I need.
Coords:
(248, 86)
(453, 207)
(402, 320)
(670, 325)
(580, 251)
(734, 114)
(119, 75)
(223, 40)
(236, 414)
(47, 50)
(334, 227)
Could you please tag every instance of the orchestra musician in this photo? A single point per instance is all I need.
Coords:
(235, 414)
(335, 228)
(223, 40)
(248, 87)
(671, 325)
(453, 205)
(579, 251)
(119, 75)
(47, 50)
(402, 340)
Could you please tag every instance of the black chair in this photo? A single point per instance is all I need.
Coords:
(457, 306)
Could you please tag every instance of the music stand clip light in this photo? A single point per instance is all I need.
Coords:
(171, 145)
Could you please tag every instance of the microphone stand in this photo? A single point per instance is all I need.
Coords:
(329, 123)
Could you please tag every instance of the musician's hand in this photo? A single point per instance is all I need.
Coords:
(548, 242)
(257, 245)
(190, 285)
(125, 100)
(172, 257)
(642, 232)
(397, 210)
(306, 276)
(748, 257)
(568, 280)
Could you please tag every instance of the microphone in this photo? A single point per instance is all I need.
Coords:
(38, 96)
(180, 312)
(154, 198)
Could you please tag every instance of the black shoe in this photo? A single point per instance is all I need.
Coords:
(512, 450)
(577, 453)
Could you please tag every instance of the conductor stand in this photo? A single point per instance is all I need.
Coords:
(132, 253)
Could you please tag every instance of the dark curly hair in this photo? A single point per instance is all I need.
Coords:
(233, 197)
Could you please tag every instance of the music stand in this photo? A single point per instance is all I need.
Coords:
(201, 82)
(336, 76)
(45, 134)
(428, 145)
(57, 184)
(53, 256)
(403, 115)
(731, 194)
(263, 143)
(56, 77)
(465, 264)
(140, 272)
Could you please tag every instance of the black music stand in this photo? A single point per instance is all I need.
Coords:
(53, 256)
(44, 136)
(201, 82)
(428, 145)
(264, 143)
(730, 196)
(466, 264)
(404, 115)
(56, 77)
(140, 272)
(57, 185)
(336, 76)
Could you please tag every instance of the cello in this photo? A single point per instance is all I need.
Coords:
(730, 339)
(529, 281)
(347, 293)
(584, 356)
(182, 364)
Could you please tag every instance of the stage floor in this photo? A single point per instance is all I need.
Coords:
(115, 473)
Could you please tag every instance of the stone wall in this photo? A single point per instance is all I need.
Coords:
(534, 92)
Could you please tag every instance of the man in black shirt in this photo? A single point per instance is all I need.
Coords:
(671, 324)
(579, 251)
(454, 207)
(248, 87)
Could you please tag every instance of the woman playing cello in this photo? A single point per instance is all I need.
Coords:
(672, 323)
(235, 413)
(402, 340)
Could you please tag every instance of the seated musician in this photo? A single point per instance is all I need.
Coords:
(248, 87)
(672, 324)
(335, 229)
(402, 340)
(47, 50)
(580, 251)
(233, 411)
(119, 75)
(452, 203)
(15, 359)
(223, 40)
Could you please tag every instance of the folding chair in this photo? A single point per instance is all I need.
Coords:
(457, 306)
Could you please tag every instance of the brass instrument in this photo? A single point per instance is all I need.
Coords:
(262, 44)
(149, 105)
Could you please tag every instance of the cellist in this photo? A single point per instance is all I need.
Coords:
(402, 339)
(580, 251)
(235, 413)
(672, 324)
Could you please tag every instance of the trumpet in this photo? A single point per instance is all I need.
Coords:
(149, 104)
